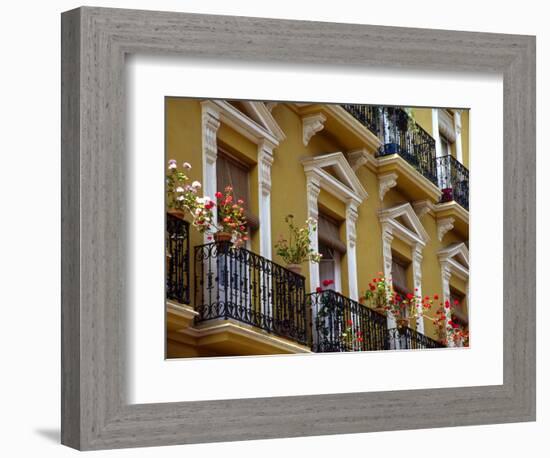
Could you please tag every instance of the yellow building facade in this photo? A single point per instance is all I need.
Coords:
(389, 187)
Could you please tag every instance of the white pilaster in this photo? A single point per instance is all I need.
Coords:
(458, 133)
(210, 126)
(387, 238)
(445, 281)
(265, 159)
(313, 189)
(417, 281)
(351, 253)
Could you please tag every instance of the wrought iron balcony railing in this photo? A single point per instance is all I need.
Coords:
(241, 285)
(177, 259)
(342, 324)
(453, 180)
(408, 339)
(368, 115)
(399, 134)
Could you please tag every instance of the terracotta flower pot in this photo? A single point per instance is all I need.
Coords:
(223, 237)
(296, 268)
(177, 213)
(402, 322)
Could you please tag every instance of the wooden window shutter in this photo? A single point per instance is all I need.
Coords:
(399, 276)
(329, 233)
(230, 172)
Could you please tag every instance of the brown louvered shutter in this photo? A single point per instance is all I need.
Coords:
(329, 233)
(230, 172)
(399, 276)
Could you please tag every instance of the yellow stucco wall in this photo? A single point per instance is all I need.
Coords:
(288, 190)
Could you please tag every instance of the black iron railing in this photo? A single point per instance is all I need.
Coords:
(368, 115)
(241, 285)
(453, 180)
(399, 134)
(403, 136)
(408, 339)
(341, 324)
(177, 259)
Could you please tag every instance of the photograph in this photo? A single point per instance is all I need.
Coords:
(311, 227)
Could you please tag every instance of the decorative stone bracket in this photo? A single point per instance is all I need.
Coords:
(444, 225)
(311, 125)
(385, 183)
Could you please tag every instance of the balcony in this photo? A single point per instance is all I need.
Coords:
(177, 259)
(341, 324)
(399, 134)
(453, 180)
(408, 339)
(239, 285)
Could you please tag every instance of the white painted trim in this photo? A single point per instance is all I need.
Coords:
(241, 123)
(351, 253)
(210, 126)
(313, 190)
(450, 266)
(458, 135)
(265, 160)
(411, 237)
(416, 239)
(347, 186)
(262, 114)
(350, 191)
(266, 140)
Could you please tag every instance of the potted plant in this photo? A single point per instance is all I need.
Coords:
(182, 197)
(231, 225)
(297, 249)
(378, 294)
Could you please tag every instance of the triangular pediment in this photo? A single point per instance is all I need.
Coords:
(259, 113)
(403, 218)
(335, 170)
(457, 252)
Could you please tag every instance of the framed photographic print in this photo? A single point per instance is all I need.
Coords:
(250, 214)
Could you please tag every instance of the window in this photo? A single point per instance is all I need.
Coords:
(445, 145)
(399, 276)
(458, 308)
(332, 248)
(231, 172)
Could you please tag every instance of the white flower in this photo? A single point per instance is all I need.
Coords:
(172, 164)
(196, 185)
(179, 189)
(180, 198)
(187, 166)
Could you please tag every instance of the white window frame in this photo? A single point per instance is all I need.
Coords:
(348, 189)
(416, 239)
(451, 266)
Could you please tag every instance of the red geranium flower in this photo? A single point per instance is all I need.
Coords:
(319, 289)
(447, 304)
(436, 297)
(327, 283)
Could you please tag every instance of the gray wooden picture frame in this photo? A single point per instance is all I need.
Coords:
(95, 41)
